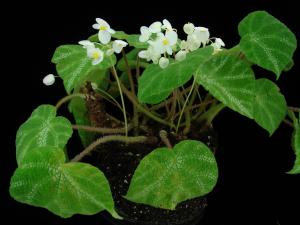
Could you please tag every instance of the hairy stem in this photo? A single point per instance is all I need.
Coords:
(132, 88)
(68, 98)
(102, 130)
(105, 139)
(122, 98)
(174, 104)
(164, 137)
(142, 109)
(188, 115)
(294, 109)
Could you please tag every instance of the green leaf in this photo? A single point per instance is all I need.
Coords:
(73, 65)
(157, 84)
(296, 147)
(230, 80)
(99, 77)
(120, 35)
(65, 189)
(167, 177)
(43, 128)
(133, 40)
(77, 106)
(266, 41)
(269, 107)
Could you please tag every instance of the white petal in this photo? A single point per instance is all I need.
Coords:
(181, 55)
(202, 34)
(163, 62)
(169, 50)
(143, 38)
(118, 45)
(183, 45)
(155, 27)
(188, 28)
(122, 43)
(144, 55)
(96, 26)
(167, 25)
(172, 37)
(86, 43)
(49, 79)
(102, 22)
(192, 42)
(157, 47)
(145, 31)
(112, 31)
(104, 36)
(220, 42)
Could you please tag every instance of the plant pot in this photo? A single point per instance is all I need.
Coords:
(118, 161)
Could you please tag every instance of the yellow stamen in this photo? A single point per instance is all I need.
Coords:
(103, 28)
(95, 55)
(165, 42)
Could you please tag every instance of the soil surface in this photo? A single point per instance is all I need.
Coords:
(118, 161)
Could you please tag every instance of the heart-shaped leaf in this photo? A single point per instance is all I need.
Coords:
(269, 107)
(65, 189)
(266, 41)
(167, 177)
(73, 65)
(156, 83)
(43, 128)
(230, 80)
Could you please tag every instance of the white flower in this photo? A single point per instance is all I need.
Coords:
(150, 54)
(145, 34)
(181, 55)
(166, 25)
(164, 43)
(218, 44)
(163, 62)
(96, 55)
(86, 44)
(202, 34)
(188, 28)
(49, 79)
(155, 27)
(118, 45)
(105, 31)
(192, 42)
(183, 45)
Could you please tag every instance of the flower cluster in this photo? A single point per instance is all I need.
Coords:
(163, 42)
(96, 54)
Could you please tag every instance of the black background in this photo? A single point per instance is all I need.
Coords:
(253, 187)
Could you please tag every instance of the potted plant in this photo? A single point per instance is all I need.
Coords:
(145, 119)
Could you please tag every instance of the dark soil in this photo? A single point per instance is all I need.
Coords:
(118, 161)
